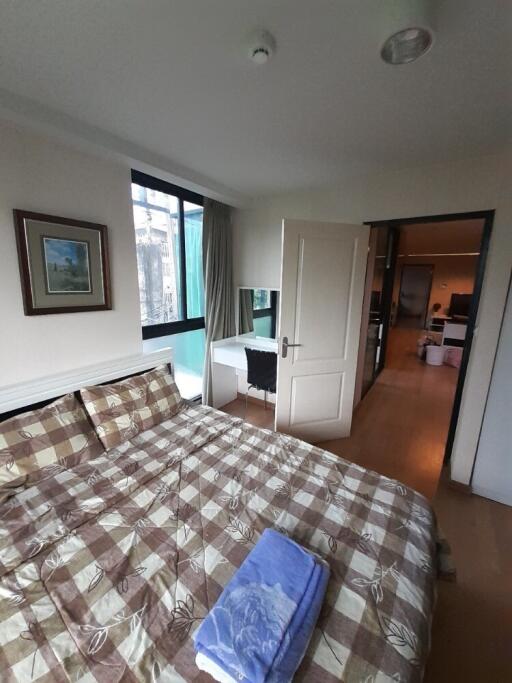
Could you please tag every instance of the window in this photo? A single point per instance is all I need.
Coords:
(168, 233)
(261, 299)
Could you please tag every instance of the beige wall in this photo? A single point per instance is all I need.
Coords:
(469, 185)
(493, 467)
(38, 174)
(451, 274)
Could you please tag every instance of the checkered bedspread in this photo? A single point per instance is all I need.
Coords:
(108, 568)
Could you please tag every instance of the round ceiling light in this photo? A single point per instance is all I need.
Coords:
(405, 30)
(406, 45)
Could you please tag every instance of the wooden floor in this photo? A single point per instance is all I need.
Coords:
(472, 629)
(255, 414)
(399, 430)
(400, 427)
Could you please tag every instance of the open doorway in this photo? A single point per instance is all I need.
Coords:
(429, 275)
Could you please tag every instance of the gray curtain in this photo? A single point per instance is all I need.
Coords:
(218, 283)
(246, 318)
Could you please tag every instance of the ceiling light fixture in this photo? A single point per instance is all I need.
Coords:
(408, 29)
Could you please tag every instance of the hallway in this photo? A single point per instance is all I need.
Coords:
(399, 429)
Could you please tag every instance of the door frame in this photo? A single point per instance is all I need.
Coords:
(487, 216)
(387, 290)
(417, 265)
(393, 237)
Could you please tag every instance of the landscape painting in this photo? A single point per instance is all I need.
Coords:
(64, 264)
(67, 266)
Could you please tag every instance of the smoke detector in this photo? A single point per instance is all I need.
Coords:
(262, 46)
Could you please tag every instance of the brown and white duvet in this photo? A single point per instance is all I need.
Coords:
(108, 567)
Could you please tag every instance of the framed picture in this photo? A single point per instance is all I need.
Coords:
(64, 264)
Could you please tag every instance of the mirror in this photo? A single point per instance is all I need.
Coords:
(258, 311)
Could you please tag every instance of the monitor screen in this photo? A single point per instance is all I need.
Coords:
(459, 305)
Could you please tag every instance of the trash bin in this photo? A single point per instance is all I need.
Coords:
(435, 354)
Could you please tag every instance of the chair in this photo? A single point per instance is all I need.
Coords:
(261, 372)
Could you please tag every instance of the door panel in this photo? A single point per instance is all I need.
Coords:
(313, 396)
(322, 279)
(325, 265)
(415, 284)
(379, 287)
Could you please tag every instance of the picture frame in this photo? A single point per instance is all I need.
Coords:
(64, 264)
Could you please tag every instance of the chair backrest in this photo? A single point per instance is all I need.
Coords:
(261, 369)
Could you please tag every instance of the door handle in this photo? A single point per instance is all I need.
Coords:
(286, 346)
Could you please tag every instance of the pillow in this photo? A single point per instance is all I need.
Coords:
(57, 435)
(121, 410)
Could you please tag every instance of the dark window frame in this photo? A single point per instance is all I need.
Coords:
(186, 324)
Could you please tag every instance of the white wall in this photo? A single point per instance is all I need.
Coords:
(38, 174)
(447, 188)
(493, 468)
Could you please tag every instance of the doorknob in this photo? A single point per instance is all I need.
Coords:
(286, 346)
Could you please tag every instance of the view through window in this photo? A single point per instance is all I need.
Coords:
(264, 313)
(168, 232)
(261, 299)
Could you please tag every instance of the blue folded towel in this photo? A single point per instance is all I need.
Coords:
(260, 626)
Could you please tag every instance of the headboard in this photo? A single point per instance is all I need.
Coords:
(23, 396)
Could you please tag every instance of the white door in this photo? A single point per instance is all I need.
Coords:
(322, 284)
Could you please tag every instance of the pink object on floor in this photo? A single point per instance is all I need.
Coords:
(453, 357)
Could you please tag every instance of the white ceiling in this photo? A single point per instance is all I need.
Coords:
(172, 77)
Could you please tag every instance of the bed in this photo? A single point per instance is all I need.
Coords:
(109, 562)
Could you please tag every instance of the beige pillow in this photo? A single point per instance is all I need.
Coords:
(121, 410)
(57, 435)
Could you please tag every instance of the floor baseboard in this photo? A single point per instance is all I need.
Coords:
(460, 487)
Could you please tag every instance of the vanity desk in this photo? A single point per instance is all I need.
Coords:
(257, 322)
(229, 362)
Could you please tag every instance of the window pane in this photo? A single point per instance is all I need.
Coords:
(188, 353)
(137, 192)
(263, 326)
(188, 359)
(261, 299)
(158, 198)
(193, 219)
(157, 237)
